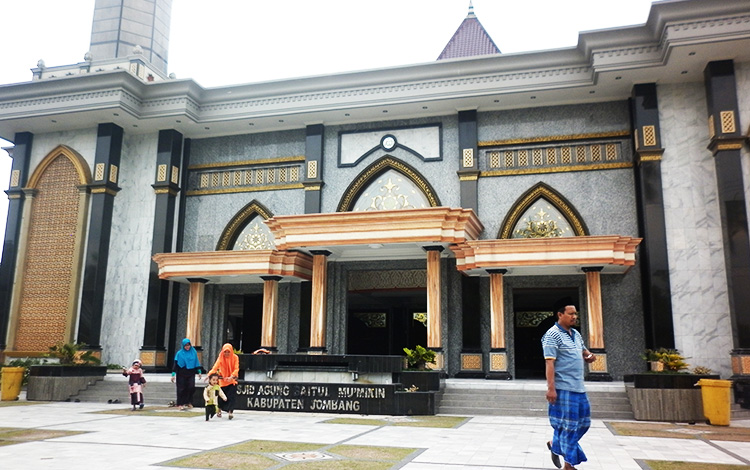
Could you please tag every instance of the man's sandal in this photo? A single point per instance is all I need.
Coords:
(555, 458)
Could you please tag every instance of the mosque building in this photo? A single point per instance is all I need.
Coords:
(451, 204)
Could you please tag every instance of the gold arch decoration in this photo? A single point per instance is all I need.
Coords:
(376, 169)
(542, 191)
(79, 163)
(48, 279)
(239, 221)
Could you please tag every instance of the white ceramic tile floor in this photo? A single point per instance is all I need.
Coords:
(132, 442)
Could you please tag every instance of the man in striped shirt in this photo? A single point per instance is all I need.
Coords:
(569, 410)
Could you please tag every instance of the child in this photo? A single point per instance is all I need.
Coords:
(135, 384)
(209, 394)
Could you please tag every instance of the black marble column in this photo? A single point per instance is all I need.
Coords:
(313, 181)
(169, 150)
(653, 259)
(726, 144)
(172, 342)
(103, 191)
(21, 154)
(468, 173)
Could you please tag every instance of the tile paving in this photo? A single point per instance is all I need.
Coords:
(133, 442)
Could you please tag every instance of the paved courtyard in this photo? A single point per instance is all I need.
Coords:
(137, 440)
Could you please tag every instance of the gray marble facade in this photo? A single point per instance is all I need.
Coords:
(700, 303)
(605, 200)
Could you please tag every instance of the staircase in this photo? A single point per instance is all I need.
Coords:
(525, 398)
(159, 390)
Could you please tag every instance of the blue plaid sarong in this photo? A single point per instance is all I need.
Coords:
(570, 417)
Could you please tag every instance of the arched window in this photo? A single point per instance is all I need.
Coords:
(246, 230)
(388, 184)
(542, 212)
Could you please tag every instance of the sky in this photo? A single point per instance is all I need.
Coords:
(229, 42)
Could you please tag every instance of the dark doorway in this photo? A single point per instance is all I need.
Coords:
(532, 317)
(384, 322)
(245, 322)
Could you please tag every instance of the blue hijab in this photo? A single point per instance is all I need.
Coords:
(187, 359)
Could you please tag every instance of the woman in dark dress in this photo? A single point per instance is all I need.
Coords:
(186, 365)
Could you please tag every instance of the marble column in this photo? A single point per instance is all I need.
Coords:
(498, 353)
(195, 312)
(434, 338)
(21, 155)
(595, 320)
(653, 260)
(726, 145)
(166, 187)
(318, 301)
(270, 311)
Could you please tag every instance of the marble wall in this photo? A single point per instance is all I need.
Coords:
(742, 73)
(124, 313)
(83, 142)
(700, 303)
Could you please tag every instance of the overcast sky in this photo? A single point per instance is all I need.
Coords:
(225, 42)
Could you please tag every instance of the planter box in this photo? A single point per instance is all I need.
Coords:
(424, 380)
(669, 381)
(667, 397)
(58, 383)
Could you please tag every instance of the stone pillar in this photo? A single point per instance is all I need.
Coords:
(318, 304)
(103, 191)
(726, 146)
(313, 181)
(468, 175)
(19, 175)
(598, 369)
(166, 187)
(270, 311)
(195, 311)
(653, 260)
(498, 353)
(434, 334)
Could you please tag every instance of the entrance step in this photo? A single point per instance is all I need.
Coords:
(525, 398)
(159, 390)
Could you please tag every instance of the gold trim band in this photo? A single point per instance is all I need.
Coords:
(557, 169)
(249, 189)
(264, 161)
(553, 138)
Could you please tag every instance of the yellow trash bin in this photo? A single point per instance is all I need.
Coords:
(12, 378)
(716, 400)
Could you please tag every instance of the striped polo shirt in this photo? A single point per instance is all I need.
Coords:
(567, 351)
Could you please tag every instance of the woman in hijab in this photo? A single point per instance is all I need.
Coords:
(186, 365)
(227, 365)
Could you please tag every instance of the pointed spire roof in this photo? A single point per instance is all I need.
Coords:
(470, 39)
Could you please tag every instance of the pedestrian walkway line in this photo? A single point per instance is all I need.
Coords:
(722, 449)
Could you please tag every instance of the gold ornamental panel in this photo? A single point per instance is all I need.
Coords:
(48, 275)
(468, 160)
(99, 172)
(740, 365)
(649, 136)
(471, 362)
(15, 177)
(312, 169)
(161, 173)
(727, 122)
(600, 364)
(148, 358)
(498, 362)
(711, 129)
(113, 174)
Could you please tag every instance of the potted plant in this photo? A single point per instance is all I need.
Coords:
(75, 370)
(419, 357)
